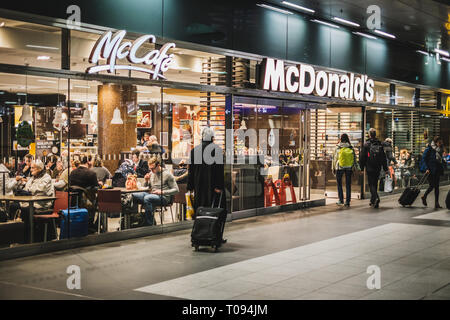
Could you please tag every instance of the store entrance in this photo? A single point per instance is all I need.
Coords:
(272, 154)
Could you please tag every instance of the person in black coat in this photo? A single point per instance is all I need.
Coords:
(140, 166)
(206, 176)
(373, 158)
(82, 176)
(432, 163)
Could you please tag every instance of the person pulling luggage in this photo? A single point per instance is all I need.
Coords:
(344, 162)
(432, 163)
(373, 158)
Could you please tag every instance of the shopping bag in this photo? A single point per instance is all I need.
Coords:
(388, 184)
(189, 206)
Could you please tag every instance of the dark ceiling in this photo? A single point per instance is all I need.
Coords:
(422, 23)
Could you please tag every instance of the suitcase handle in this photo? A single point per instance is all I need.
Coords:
(422, 180)
(214, 199)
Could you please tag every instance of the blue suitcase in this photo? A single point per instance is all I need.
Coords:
(79, 221)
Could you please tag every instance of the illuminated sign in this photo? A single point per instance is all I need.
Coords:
(304, 79)
(112, 48)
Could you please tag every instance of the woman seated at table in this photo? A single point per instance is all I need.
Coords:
(162, 186)
(40, 184)
(102, 173)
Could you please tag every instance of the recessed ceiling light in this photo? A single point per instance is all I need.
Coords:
(273, 8)
(365, 35)
(326, 23)
(2, 24)
(297, 6)
(385, 34)
(346, 22)
(442, 52)
(43, 58)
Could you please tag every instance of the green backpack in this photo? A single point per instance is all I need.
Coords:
(346, 158)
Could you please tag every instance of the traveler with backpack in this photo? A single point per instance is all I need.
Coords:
(373, 158)
(344, 162)
(432, 163)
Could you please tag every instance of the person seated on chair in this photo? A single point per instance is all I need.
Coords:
(83, 176)
(162, 186)
(140, 166)
(40, 184)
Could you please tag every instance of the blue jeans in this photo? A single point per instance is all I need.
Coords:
(348, 185)
(149, 200)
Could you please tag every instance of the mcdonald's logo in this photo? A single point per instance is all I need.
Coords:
(446, 110)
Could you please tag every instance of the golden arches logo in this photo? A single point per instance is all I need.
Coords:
(446, 110)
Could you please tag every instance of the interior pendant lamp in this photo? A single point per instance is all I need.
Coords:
(87, 117)
(117, 119)
(26, 114)
(58, 121)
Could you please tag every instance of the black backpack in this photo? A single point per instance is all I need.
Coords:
(375, 156)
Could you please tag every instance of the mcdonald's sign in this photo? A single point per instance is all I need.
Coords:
(446, 110)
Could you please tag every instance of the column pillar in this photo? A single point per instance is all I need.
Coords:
(115, 138)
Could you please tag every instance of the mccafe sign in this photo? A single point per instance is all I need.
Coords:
(113, 48)
(304, 79)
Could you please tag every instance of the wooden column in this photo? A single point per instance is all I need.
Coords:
(115, 138)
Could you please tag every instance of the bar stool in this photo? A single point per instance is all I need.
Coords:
(109, 201)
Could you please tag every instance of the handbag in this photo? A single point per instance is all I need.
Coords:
(388, 184)
(189, 206)
(21, 192)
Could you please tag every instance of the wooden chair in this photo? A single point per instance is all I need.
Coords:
(180, 200)
(108, 201)
(164, 208)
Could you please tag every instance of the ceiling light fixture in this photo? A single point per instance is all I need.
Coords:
(117, 119)
(365, 35)
(385, 34)
(442, 52)
(346, 22)
(2, 24)
(82, 87)
(326, 23)
(296, 6)
(46, 81)
(43, 58)
(445, 59)
(41, 47)
(262, 5)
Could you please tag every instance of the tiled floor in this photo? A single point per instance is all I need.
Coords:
(317, 253)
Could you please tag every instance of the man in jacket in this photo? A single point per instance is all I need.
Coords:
(206, 176)
(432, 163)
(140, 165)
(82, 176)
(373, 159)
(162, 186)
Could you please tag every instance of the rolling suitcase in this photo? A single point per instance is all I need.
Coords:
(207, 229)
(79, 221)
(410, 194)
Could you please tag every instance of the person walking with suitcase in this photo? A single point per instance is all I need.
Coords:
(373, 159)
(206, 175)
(432, 163)
(344, 162)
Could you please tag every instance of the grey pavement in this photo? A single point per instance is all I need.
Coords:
(322, 255)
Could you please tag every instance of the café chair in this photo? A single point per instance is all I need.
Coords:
(162, 209)
(108, 201)
(180, 200)
(61, 202)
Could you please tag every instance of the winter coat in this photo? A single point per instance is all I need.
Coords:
(204, 178)
(387, 146)
(40, 185)
(429, 162)
(335, 163)
(364, 156)
(10, 183)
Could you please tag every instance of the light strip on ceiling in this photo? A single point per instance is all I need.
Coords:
(82, 87)
(445, 59)
(423, 52)
(296, 6)
(346, 22)
(365, 35)
(262, 5)
(442, 52)
(47, 81)
(41, 47)
(385, 34)
(326, 23)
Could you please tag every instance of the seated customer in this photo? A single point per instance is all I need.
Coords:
(61, 183)
(40, 184)
(140, 166)
(9, 182)
(82, 176)
(24, 169)
(102, 173)
(181, 172)
(162, 186)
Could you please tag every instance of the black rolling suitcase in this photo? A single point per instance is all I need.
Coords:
(208, 227)
(410, 194)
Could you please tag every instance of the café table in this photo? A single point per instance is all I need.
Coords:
(30, 200)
